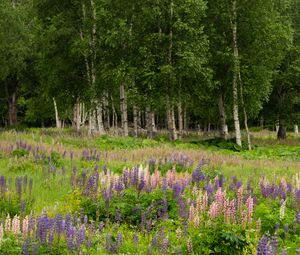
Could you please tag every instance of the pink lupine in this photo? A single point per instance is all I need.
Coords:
(15, 228)
(284, 184)
(189, 246)
(204, 202)
(249, 205)
(191, 212)
(229, 211)
(1, 232)
(25, 225)
(214, 210)
(220, 198)
(8, 223)
(244, 218)
(178, 233)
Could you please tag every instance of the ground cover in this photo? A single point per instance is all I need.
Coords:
(64, 194)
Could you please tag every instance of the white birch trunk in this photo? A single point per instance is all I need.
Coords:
(123, 104)
(223, 126)
(100, 119)
(235, 76)
(296, 130)
(135, 120)
(180, 120)
(57, 120)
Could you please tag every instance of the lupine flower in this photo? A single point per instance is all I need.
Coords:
(119, 239)
(282, 210)
(8, 223)
(249, 205)
(1, 232)
(15, 225)
(189, 245)
(25, 247)
(165, 246)
(135, 239)
(178, 232)
(214, 210)
(240, 197)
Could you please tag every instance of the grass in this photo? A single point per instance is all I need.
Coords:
(270, 157)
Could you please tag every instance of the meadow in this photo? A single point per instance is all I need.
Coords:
(64, 193)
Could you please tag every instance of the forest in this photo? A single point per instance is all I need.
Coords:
(154, 127)
(141, 66)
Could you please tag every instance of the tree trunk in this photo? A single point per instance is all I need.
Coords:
(171, 123)
(296, 130)
(281, 135)
(222, 122)
(135, 120)
(180, 120)
(100, 119)
(57, 120)
(150, 122)
(12, 101)
(123, 104)
(185, 122)
(235, 76)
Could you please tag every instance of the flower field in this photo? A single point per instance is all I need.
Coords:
(57, 198)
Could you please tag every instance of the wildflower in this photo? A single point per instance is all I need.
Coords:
(189, 245)
(1, 232)
(214, 210)
(282, 210)
(16, 225)
(8, 223)
(249, 205)
(240, 197)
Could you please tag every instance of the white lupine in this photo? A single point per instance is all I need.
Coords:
(282, 210)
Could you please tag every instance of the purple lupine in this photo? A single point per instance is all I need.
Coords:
(208, 188)
(25, 247)
(119, 186)
(59, 224)
(286, 228)
(165, 246)
(18, 183)
(298, 217)
(142, 183)
(22, 205)
(108, 242)
(34, 249)
(182, 208)
(118, 215)
(119, 239)
(101, 227)
(164, 185)
(176, 190)
(81, 235)
(262, 246)
(42, 228)
(297, 194)
(274, 244)
(89, 243)
(105, 169)
(50, 238)
(135, 239)
(30, 185)
(70, 238)
(197, 175)
(25, 181)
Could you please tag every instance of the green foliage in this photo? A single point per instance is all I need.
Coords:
(10, 245)
(220, 239)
